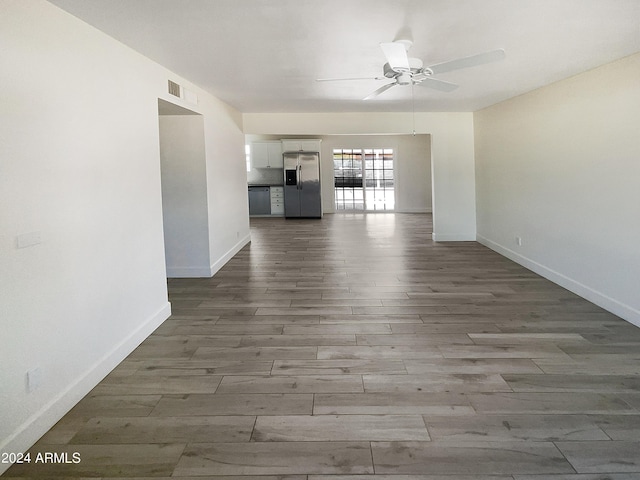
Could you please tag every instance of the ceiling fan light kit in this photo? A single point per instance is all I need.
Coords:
(404, 70)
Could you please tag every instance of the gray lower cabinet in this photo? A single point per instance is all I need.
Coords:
(259, 201)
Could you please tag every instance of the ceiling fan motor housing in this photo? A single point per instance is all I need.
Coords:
(415, 66)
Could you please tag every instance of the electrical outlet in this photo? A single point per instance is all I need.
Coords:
(34, 379)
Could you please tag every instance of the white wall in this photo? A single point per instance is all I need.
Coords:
(560, 168)
(413, 174)
(452, 154)
(184, 196)
(227, 198)
(80, 166)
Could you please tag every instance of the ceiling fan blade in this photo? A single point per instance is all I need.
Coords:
(438, 84)
(465, 62)
(383, 88)
(349, 78)
(396, 54)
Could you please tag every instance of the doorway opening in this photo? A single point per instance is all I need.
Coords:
(184, 191)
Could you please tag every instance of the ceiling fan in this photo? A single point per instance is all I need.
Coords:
(404, 70)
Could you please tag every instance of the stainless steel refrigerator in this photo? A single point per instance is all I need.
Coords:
(302, 185)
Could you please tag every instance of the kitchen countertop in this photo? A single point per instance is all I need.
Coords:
(265, 185)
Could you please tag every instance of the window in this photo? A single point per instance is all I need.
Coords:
(363, 179)
(247, 154)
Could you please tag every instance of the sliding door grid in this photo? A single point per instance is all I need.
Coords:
(363, 179)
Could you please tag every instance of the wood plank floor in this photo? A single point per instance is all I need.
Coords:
(355, 348)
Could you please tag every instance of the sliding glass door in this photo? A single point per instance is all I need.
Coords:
(363, 179)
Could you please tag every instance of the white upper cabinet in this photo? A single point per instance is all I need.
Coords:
(266, 154)
(301, 145)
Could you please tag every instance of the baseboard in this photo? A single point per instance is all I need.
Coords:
(414, 210)
(40, 422)
(452, 237)
(610, 304)
(229, 255)
(188, 272)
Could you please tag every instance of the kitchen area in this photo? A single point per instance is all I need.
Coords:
(283, 178)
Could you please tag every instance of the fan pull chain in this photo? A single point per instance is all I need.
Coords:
(413, 107)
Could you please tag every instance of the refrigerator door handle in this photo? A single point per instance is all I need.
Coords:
(300, 176)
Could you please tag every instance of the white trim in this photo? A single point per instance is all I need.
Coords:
(414, 210)
(229, 255)
(40, 422)
(188, 272)
(452, 237)
(612, 305)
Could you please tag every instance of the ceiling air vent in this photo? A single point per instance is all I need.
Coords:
(174, 89)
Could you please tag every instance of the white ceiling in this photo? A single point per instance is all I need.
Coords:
(264, 55)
